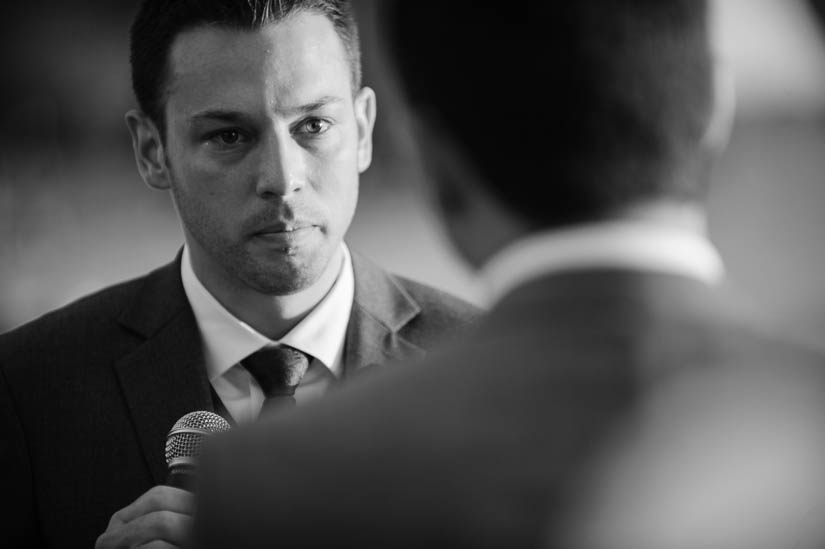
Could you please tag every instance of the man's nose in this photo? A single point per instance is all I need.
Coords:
(281, 167)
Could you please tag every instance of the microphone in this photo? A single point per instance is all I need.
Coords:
(183, 445)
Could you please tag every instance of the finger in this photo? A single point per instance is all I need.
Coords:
(158, 498)
(158, 526)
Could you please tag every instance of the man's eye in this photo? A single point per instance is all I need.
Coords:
(314, 126)
(230, 138)
(227, 138)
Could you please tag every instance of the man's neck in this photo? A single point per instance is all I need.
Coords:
(271, 315)
(669, 215)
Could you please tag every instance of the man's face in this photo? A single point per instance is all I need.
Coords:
(264, 146)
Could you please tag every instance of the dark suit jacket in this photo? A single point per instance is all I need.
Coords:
(89, 392)
(480, 446)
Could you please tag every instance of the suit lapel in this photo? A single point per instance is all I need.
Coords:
(164, 378)
(380, 309)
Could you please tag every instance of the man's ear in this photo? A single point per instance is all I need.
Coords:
(149, 150)
(365, 108)
(453, 180)
(719, 128)
(478, 223)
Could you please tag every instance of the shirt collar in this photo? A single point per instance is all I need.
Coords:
(626, 244)
(227, 340)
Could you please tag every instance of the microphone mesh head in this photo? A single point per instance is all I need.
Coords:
(183, 443)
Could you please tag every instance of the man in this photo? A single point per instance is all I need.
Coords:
(569, 145)
(253, 116)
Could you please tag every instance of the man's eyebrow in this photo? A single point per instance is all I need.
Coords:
(221, 115)
(319, 103)
(237, 117)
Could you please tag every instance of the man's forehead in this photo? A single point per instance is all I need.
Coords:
(299, 36)
(294, 60)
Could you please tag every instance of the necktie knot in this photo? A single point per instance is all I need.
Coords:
(278, 370)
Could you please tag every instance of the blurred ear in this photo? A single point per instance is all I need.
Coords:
(717, 134)
(365, 108)
(453, 183)
(149, 150)
(477, 223)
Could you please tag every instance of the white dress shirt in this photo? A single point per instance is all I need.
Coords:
(625, 244)
(227, 340)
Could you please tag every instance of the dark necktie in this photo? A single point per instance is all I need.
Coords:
(278, 370)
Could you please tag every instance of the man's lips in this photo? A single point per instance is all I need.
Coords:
(283, 229)
(284, 236)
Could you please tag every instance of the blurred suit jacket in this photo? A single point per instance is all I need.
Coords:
(89, 392)
(482, 445)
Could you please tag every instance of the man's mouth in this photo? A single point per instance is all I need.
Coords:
(283, 228)
(284, 236)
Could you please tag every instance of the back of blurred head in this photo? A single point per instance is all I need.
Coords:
(547, 114)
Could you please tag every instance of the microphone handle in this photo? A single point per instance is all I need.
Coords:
(182, 477)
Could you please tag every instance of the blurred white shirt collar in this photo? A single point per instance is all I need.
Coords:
(624, 244)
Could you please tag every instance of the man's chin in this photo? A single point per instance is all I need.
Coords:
(290, 274)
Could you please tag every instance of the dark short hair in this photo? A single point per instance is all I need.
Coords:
(159, 22)
(568, 110)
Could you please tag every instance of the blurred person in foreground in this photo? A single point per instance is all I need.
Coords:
(722, 458)
(569, 145)
(253, 116)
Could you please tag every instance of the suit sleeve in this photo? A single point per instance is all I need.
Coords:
(19, 525)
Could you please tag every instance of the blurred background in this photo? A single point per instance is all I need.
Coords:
(75, 216)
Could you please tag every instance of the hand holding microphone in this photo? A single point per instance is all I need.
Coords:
(164, 513)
